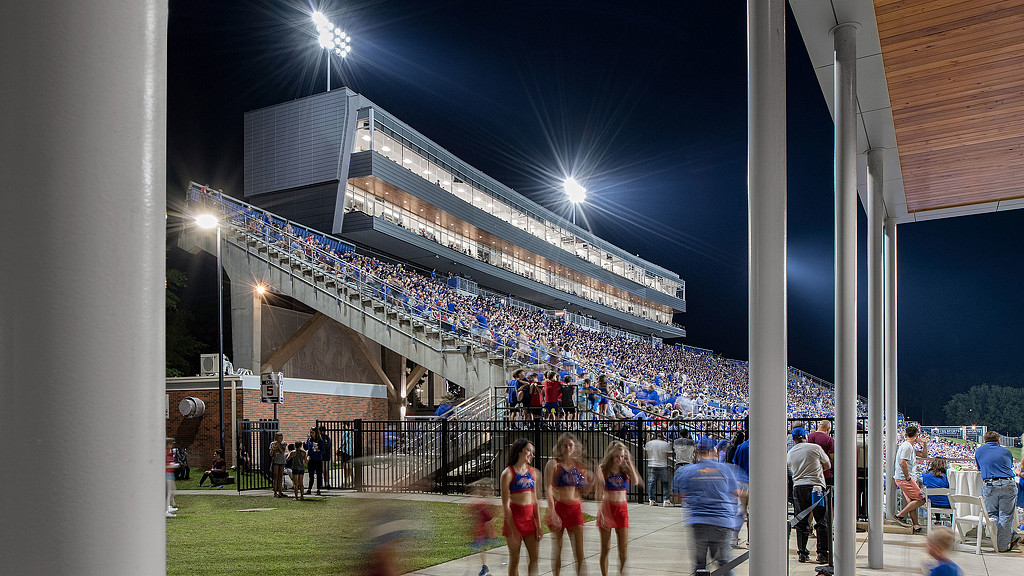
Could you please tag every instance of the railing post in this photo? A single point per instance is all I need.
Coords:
(444, 455)
(357, 456)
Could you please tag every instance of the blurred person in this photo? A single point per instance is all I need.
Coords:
(807, 462)
(905, 477)
(278, 455)
(940, 544)
(708, 490)
(314, 447)
(512, 402)
(328, 451)
(935, 477)
(171, 466)
(1000, 492)
(730, 449)
(218, 469)
(614, 475)
(565, 482)
(536, 392)
(296, 461)
(741, 459)
(482, 514)
(657, 450)
(520, 506)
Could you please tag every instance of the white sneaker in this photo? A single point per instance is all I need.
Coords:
(666, 504)
(651, 503)
(171, 515)
(172, 509)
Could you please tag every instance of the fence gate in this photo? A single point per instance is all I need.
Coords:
(253, 458)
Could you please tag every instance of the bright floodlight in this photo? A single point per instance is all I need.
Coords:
(206, 220)
(260, 289)
(574, 191)
(319, 19)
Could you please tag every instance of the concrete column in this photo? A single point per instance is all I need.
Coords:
(766, 199)
(82, 153)
(892, 432)
(246, 325)
(844, 37)
(876, 464)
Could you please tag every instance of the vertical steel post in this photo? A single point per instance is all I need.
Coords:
(892, 433)
(766, 198)
(844, 37)
(220, 340)
(83, 153)
(876, 221)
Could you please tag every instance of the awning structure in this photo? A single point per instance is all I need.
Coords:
(940, 88)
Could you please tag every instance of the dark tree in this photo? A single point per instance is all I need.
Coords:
(1001, 408)
(182, 347)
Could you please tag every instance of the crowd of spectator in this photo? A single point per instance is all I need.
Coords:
(665, 380)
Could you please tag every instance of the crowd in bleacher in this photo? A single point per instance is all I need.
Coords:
(686, 381)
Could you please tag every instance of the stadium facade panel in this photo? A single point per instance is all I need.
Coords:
(410, 198)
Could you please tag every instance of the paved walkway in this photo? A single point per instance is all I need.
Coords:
(658, 546)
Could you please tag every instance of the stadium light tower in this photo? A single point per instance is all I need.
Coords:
(210, 221)
(576, 193)
(332, 39)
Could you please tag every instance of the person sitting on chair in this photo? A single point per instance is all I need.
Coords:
(217, 471)
(935, 477)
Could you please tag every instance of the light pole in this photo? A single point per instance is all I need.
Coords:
(332, 39)
(576, 193)
(210, 221)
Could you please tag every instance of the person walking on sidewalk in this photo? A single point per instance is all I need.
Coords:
(709, 492)
(658, 451)
(807, 462)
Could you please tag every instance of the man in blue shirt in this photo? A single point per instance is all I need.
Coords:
(1000, 492)
(709, 490)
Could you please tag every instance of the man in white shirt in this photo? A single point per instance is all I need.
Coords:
(658, 451)
(905, 476)
(807, 462)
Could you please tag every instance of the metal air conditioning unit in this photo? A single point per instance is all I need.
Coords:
(208, 364)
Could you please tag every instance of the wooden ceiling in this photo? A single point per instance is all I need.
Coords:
(955, 73)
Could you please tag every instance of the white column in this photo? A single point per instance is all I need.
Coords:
(82, 153)
(766, 193)
(845, 538)
(892, 432)
(876, 314)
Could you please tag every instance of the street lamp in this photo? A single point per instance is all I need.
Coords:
(210, 221)
(332, 39)
(576, 194)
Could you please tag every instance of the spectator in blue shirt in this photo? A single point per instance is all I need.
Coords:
(709, 490)
(935, 477)
(1000, 491)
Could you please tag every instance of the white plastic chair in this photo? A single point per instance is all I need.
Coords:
(978, 518)
(951, 512)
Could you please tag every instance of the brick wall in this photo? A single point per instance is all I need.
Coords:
(200, 436)
(302, 410)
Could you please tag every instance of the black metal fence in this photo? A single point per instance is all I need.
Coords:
(252, 456)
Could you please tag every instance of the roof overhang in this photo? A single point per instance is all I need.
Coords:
(939, 80)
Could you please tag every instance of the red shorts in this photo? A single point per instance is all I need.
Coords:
(570, 514)
(522, 517)
(613, 515)
(910, 489)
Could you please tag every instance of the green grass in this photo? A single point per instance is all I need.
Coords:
(315, 536)
(1015, 451)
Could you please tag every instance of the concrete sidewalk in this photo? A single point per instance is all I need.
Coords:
(659, 545)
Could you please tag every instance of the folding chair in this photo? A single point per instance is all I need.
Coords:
(951, 512)
(977, 518)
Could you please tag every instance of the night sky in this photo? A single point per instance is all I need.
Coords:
(645, 104)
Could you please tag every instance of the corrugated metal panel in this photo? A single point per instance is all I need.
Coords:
(372, 163)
